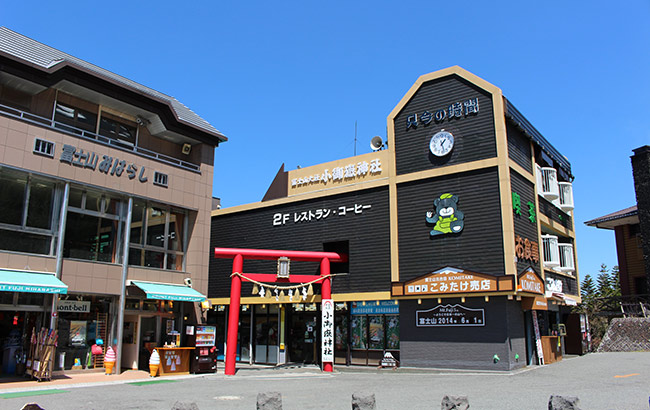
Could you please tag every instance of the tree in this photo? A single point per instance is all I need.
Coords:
(597, 298)
(588, 293)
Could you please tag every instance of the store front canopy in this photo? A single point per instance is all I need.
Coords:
(31, 282)
(168, 291)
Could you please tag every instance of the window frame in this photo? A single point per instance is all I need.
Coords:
(116, 122)
(52, 232)
(142, 245)
(74, 122)
(119, 217)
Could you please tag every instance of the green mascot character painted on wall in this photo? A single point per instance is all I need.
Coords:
(447, 219)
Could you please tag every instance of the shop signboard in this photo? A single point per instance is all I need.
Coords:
(362, 168)
(76, 306)
(530, 282)
(554, 285)
(451, 280)
(327, 331)
(381, 307)
(450, 315)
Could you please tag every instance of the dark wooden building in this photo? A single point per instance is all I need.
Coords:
(459, 233)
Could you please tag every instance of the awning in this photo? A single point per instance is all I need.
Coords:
(560, 297)
(168, 291)
(31, 282)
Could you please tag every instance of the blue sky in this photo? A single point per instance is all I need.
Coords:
(286, 81)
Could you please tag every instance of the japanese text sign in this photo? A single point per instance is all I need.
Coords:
(451, 280)
(450, 315)
(327, 330)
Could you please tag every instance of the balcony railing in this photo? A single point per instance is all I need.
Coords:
(547, 183)
(566, 196)
(566, 257)
(551, 251)
(100, 139)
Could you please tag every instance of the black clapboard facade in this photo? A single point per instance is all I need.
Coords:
(444, 230)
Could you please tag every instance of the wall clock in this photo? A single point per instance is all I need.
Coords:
(441, 143)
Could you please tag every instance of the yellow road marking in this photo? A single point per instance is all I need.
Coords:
(626, 375)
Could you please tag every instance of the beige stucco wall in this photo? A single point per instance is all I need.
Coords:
(185, 189)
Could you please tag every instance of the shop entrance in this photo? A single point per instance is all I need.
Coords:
(148, 332)
(303, 334)
(266, 334)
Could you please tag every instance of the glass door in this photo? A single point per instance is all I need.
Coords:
(266, 334)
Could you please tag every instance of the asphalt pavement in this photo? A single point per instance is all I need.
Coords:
(605, 381)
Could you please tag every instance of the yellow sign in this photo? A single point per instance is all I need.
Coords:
(348, 171)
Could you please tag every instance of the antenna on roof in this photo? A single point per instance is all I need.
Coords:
(355, 138)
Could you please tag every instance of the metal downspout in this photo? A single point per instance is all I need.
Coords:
(122, 301)
(59, 250)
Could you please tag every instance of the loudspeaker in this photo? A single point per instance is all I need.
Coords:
(376, 143)
(186, 149)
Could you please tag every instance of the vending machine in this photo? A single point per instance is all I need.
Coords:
(204, 357)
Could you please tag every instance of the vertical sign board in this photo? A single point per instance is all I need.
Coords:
(327, 331)
(538, 339)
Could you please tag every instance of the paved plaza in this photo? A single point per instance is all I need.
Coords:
(601, 381)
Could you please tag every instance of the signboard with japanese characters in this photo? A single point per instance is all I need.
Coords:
(108, 165)
(456, 109)
(317, 214)
(361, 168)
(450, 315)
(451, 280)
(530, 282)
(327, 330)
(380, 307)
(526, 250)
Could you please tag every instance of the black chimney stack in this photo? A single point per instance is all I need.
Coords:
(641, 174)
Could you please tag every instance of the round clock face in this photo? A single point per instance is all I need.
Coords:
(441, 143)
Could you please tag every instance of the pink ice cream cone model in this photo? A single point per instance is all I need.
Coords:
(154, 363)
(109, 360)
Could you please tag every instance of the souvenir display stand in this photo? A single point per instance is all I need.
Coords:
(41, 354)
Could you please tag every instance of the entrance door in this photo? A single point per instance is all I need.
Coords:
(303, 336)
(147, 341)
(266, 334)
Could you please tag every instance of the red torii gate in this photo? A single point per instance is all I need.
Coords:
(238, 256)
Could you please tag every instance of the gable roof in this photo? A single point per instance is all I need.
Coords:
(623, 217)
(49, 59)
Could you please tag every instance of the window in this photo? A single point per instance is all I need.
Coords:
(157, 236)
(160, 179)
(117, 129)
(26, 213)
(43, 147)
(75, 117)
(93, 227)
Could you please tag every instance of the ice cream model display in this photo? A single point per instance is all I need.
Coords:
(109, 360)
(154, 363)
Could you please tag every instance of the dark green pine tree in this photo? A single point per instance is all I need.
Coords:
(588, 294)
(604, 287)
(615, 281)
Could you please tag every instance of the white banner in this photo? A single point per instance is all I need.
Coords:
(538, 339)
(77, 306)
(327, 331)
